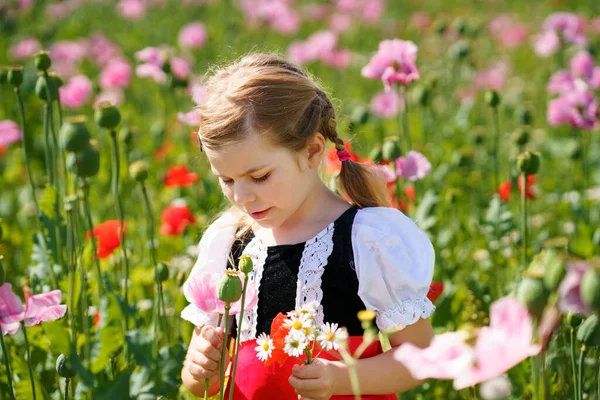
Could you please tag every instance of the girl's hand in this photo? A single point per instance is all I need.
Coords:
(315, 381)
(204, 353)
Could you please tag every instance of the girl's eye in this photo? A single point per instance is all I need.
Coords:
(262, 178)
(227, 182)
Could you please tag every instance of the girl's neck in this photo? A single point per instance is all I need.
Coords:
(318, 210)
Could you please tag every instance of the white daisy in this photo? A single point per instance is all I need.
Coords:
(331, 336)
(295, 343)
(299, 322)
(264, 347)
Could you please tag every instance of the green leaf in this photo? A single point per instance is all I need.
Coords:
(48, 201)
(170, 361)
(140, 345)
(424, 217)
(115, 390)
(108, 341)
(59, 337)
(142, 382)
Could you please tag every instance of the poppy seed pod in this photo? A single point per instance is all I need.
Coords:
(460, 24)
(63, 367)
(138, 170)
(107, 116)
(43, 84)
(421, 95)
(524, 116)
(529, 162)
(589, 332)
(42, 61)
(574, 320)
(554, 267)
(74, 134)
(360, 116)
(492, 98)
(376, 154)
(84, 163)
(245, 264)
(440, 26)
(391, 149)
(230, 288)
(590, 289)
(459, 50)
(532, 294)
(162, 272)
(14, 75)
(520, 136)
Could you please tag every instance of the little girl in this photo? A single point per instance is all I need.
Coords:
(264, 128)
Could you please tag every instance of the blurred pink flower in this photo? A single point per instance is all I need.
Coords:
(25, 48)
(339, 59)
(151, 71)
(315, 12)
(386, 172)
(197, 91)
(113, 96)
(103, 50)
(131, 9)
(372, 10)
(277, 14)
(201, 290)
(38, 308)
(394, 62)
(569, 298)
(594, 25)
(413, 167)
(116, 74)
(507, 32)
(569, 26)
(583, 75)
(180, 67)
(193, 36)
(386, 104)
(320, 46)
(492, 78)
(153, 55)
(57, 11)
(577, 108)
(420, 20)
(340, 22)
(546, 43)
(10, 133)
(66, 56)
(76, 92)
(191, 118)
(286, 21)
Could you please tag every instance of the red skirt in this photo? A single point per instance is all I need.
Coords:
(254, 381)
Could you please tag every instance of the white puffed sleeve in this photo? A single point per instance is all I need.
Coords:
(213, 253)
(394, 262)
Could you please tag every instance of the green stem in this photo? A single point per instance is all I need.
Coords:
(583, 136)
(67, 380)
(237, 342)
(598, 365)
(88, 214)
(224, 352)
(405, 125)
(524, 260)
(580, 372)
(28, 350)
(573, 363)
(534, 377)
(11, 391)
(496, 147)
(48, 146)
(71, 271)
(120, 217)
(351, 364)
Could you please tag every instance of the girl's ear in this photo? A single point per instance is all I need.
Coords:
(315, 150)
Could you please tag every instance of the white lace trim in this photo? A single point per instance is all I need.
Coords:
(312, 265)
(404, 314)
(258, 252)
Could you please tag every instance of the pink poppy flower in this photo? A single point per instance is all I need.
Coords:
(507, 32)
(76, 93)
(197, 91)
(103, 50)
(413, 167)
(386, 172)
(152, 55)
(394, 62)
(546, 43)
(191, 118)
(38, 308)
(492, 78)
(583, 74)
(116, 74)
(201, 290)
(577, 108)
(193, 36)
(66, 56)
(9, 133)
(131, 9)
(180, 67)
(571, 27)
(113, 96)
(371, 11)
(420, 20)
(25, 48)
(285, 20)
(386, 104)
(340, 22)
(151, 71)
(569, 298)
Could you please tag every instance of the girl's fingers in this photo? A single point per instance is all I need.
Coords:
(207, 349)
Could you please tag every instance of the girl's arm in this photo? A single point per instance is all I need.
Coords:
(382, 374)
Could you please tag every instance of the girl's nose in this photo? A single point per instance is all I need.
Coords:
(242, 194)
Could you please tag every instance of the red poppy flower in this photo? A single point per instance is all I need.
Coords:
(97, 320)
(278, 334)
(163, 150)
(529, 188)
(504, 191)
(180, 176)
(334, 165)
(435, 290)
(175, 219)
(402, 204)
(107, 234)
(2, 150)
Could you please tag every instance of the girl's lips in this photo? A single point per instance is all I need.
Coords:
(260, 214)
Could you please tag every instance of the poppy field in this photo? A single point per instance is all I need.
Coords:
(481, 117)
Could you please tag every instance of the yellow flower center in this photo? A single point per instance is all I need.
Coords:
(329, 337)
(266, 346)
(297, 324)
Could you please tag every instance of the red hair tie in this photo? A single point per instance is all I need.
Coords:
(343, 155)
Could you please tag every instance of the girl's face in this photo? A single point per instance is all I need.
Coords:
(268, 182)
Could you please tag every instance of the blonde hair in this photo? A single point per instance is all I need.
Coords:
(266, 93)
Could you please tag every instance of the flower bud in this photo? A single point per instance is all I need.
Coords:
(524, 116)
(366, 315)
(391, 149)
(421, 95)
(43, 84)
(574, 320)
(63, 367)
(459, 50)
(166, 67)
(181, 277)
(14, 75)
(529, 162)
(590, 288)
(360, 116)
(126, 135)
(492, 98)
(84, 163)
(532, 293)
(520, 136)
(440, 26)
(553, 266)
(460, 25)
(107, 116)
(162, 272)
(42, 61)
(589, 332)
(245, 264)
(595, 237)
(376, 154)
(74, 134)
(138, 170)
(3, 75)
(230, 288)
